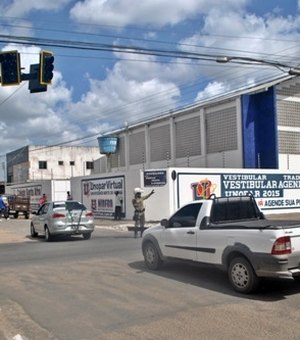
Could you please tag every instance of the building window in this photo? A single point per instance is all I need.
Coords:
(42, 164)
(60, 162)
(72, 163)
(90, 165)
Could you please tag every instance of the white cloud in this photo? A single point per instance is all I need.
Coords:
(123, 97)
(147, 12)
(245, 34)
(212, 89)
(18, 8)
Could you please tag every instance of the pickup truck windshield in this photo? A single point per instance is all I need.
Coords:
(239, 208)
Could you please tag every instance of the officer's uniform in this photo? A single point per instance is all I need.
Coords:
(139, 210)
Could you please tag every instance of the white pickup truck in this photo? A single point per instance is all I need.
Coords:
(231, 233)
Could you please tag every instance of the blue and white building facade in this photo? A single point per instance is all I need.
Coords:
(238, 143)
(257, 128)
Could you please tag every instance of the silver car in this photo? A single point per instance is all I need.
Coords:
(62, 218)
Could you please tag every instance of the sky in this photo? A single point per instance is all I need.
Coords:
(119, 62)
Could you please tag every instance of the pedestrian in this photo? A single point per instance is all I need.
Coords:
(139, 210)
(6, 209)
(3, 208)
(69, 196)
(118, 206)
(43, 200)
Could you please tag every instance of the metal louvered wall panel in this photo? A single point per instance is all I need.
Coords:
(288, 113)
(160, 145)
(290, 91)
(188, 141)
(289, 142)
(137, 150)
(118, 159)
(221, 130)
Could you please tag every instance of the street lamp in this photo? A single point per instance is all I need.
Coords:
(293, 71)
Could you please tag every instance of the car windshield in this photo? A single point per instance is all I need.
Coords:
(69, 205)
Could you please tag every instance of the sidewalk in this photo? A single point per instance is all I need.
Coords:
(288, 216)
(121, 225)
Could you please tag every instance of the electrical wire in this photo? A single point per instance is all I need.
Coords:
(137, 50)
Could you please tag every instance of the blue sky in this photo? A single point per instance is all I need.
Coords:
(94, 92)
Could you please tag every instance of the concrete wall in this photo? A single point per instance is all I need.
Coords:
(97, 192)
(275, 191)
(55, 190)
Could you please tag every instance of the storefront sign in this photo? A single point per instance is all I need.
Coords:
(99, 195)
(155, 178)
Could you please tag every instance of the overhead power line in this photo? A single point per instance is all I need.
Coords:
(167, 53)
(90, 46)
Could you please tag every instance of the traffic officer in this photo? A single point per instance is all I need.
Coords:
(139, 210)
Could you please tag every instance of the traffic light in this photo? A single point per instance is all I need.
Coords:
(34, 85)
(10, 68)
(46, 67)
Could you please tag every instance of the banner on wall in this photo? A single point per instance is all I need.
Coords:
(271, 191)
(99, 195)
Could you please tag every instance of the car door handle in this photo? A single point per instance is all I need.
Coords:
(191, 232)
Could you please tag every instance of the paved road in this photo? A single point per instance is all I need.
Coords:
(100, 289)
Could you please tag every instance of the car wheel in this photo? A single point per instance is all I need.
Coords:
(33, 233)
(48, 236)
(151, 256)
(242, 276)
(297, 279)
(87, 236)
(16, 215)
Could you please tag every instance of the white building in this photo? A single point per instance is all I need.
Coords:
(36, 163)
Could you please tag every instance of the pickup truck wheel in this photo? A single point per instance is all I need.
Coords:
(87, 236)
(242, 276)
(151, 256)
(297, 279)
(48, 236)
(33, 233)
